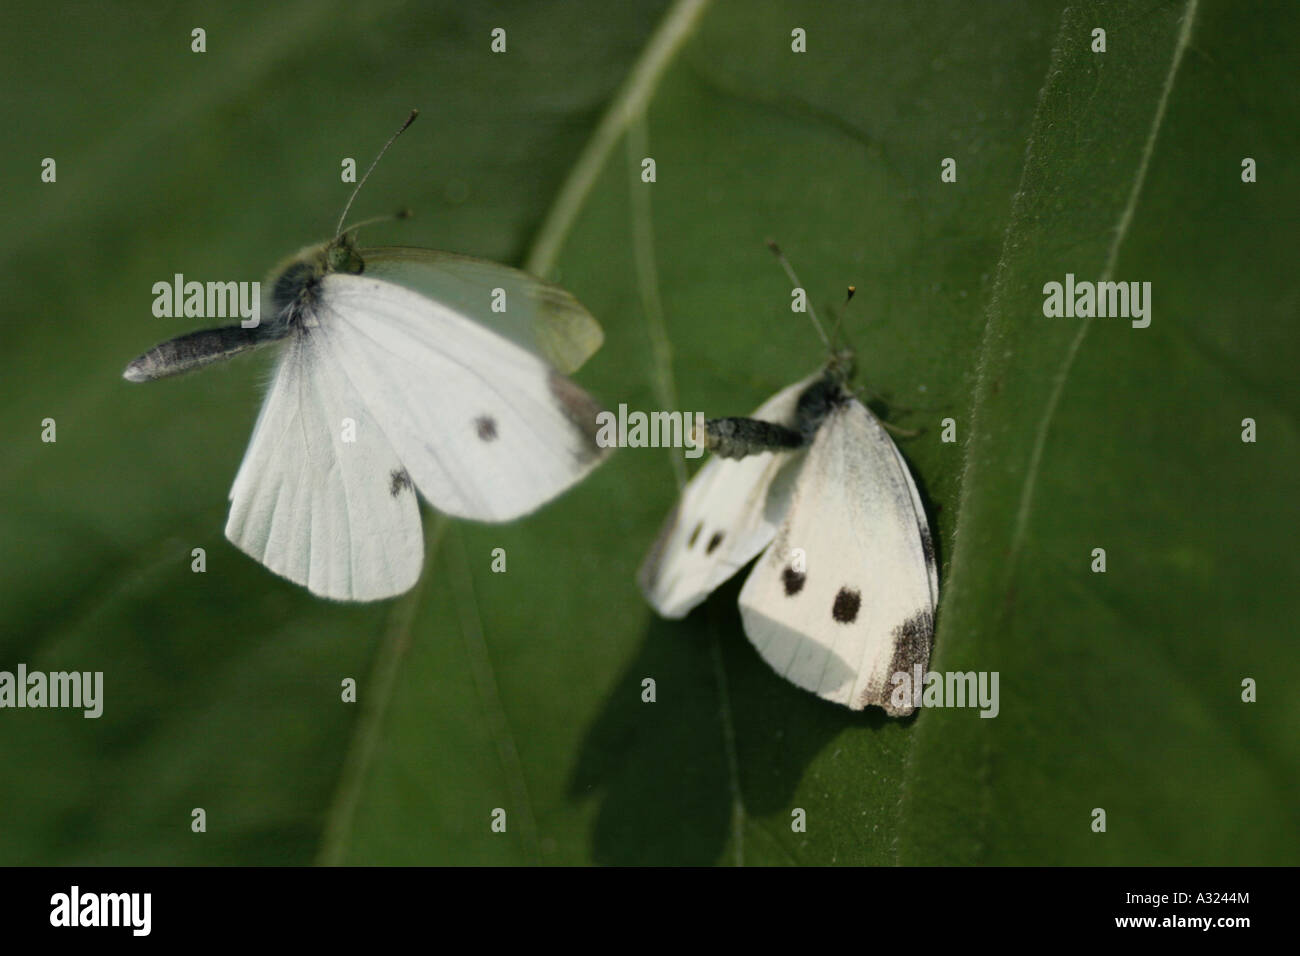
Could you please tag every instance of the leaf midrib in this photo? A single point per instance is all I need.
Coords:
(985, 362)
(627, 108)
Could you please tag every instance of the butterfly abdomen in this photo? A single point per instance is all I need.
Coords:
(193, 351)
(739, 437)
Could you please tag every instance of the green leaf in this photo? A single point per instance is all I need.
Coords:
(523, 691)
(1123, 691)
(222, 690)
(842, 166)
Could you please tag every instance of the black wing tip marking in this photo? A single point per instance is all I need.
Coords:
(581, 410)
(912, 640)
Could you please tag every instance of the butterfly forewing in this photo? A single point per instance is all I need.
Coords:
(536, 315)
(844, 597)
(486, 429)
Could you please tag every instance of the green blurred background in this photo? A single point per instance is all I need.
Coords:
(522, 691)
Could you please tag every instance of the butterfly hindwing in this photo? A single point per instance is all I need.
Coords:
(725, 517)
(845, 596)
(321, 497)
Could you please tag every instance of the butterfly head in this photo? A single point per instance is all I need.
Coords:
(340, 254)
(294, 284)
(839, 366)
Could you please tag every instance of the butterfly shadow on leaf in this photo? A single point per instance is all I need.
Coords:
(662, 770)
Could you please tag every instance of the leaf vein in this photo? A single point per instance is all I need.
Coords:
(628, 105)
(1108, 271)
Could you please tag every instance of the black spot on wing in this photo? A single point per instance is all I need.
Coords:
(398, 481)
(793, 580)
(847, 604)
(695, 534)
(714, 542)
(486, 426)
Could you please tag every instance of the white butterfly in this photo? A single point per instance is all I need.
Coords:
(844, 594)
(396, 376)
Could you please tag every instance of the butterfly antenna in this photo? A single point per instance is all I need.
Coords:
(794, 279)
(839, 317)
(862, 389)
(357, 227)
(338, 231)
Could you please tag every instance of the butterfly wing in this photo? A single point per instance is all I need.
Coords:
(486, 429)
(726, 515)
(321, 497)
(540, 317)
(844, 598)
